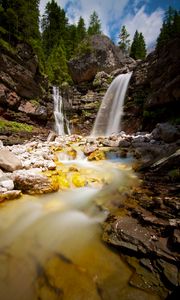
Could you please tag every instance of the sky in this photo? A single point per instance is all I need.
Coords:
(146, 16)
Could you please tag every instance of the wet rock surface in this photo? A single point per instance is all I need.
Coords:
(143, 221)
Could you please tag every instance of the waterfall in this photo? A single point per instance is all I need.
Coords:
(61, 122)
(110, 112)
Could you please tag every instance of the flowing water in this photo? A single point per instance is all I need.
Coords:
(61, 122)
(50, 245)
(110, 112)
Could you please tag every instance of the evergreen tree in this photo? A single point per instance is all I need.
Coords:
(81, 30)
(72, 40)
(15, 19)
(170, 28)
(54, 26)
(94, 24)
(57, 69)
(124, 42)
(138, 47)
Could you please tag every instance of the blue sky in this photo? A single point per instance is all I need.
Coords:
(144, 15)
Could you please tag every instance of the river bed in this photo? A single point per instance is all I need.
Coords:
(50, 245)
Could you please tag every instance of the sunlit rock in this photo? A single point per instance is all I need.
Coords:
(8, 161)
(31, 182)
(97, 155)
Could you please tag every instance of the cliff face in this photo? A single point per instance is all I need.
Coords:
(99, 54)
(154, 91)
(23, 90)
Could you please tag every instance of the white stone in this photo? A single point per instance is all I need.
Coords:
(7, 184)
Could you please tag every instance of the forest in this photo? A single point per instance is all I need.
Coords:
(56, 41)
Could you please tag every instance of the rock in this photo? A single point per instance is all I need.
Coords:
(7, 184)
(8, 161)
(170, 272)
(101, 55)
(166, 132)
(51, 136)
(10, 195)
(154, 90)
(167, 163)
(97, 155)
(1, 144)
(127, 233)
(88, 149)
(30, 182)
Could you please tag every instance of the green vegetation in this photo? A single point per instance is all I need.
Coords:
(138, 47)
(94, 24)
(124, 43)
(6, 46)
(14, 126)
(83, 48)
(170, 28)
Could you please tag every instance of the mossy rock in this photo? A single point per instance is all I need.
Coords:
(78, 180)
(97, 155)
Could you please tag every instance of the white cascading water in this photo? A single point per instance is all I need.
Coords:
(61, 123)
(110, 112)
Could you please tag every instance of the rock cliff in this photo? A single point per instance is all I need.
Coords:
(154, 91)
(23, 90)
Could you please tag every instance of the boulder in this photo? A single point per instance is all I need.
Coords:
(10, 195)
(100, 55)
(166, 132)
(8, 161)
(31, 182)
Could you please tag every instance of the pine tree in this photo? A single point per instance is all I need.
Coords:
(94, 24)
(20, 18)
(124, 42)
(57, 69)
(54, 26)
(138, 47)
(81, 30)
(170, 28)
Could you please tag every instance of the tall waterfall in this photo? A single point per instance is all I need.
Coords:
(61, 122)
(110, 112)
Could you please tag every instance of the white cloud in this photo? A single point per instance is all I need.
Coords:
(106, 9)
(111, 14)
(148, 24)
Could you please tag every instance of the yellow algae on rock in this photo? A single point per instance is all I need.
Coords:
(63, 182)
(78, 180)
(97, 155)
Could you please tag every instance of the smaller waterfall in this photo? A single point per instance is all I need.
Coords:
(61, 122)
(110, 112)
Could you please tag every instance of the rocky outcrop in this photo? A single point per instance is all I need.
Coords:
(8, 161)
(24, 93)
(99, 54)
(154, 92)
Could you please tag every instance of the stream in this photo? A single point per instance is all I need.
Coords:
(50, 245)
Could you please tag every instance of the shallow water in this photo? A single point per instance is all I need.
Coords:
(51, 248)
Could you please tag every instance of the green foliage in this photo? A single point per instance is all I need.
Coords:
(6, 46)
(170, 28)
(138, 47)
(54, 26)
(57, 66)
(20, 18)
(94, 24)
(81, 30)
(83, 48)
(14, 126)
(124, 42)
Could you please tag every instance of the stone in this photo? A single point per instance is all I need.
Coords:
(10, 195)
(8, 161)
(30, 182)
(103, 55)
(8, 184)
(51, 136)
(166, 132)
